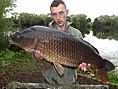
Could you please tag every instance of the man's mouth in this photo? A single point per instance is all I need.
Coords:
(59, 22)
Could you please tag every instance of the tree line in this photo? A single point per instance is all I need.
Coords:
(105, 27)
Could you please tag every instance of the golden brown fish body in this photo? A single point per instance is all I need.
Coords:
(61, 48)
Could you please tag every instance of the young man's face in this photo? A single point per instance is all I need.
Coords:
(59, 14)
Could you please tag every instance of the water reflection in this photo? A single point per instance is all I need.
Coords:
(108, 48)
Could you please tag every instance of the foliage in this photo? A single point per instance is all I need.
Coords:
(113, 77)
(80, 22)
(5, 7)
(46, 19)
(89, 72)
(13, 63)
(27, 20)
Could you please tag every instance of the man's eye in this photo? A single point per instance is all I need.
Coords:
(53, 14)
(61, 12)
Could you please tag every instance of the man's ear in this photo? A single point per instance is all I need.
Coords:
(67, 12)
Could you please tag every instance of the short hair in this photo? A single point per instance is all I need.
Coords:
(56, 3)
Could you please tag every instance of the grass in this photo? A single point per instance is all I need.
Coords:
(112, 75)
(13, 63)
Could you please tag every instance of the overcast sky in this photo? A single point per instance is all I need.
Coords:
(91, 8)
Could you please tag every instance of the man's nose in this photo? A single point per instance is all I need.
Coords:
(58, 16)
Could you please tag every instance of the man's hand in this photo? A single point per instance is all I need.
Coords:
(38, 54)
(47, 64)
(84, 66)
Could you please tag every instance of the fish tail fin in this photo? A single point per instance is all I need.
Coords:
(102, 73)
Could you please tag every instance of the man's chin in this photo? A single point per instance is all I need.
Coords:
(60, 25)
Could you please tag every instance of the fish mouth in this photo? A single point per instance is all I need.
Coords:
(10, 41)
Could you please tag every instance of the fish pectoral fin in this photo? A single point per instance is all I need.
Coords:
(59, 68)
(102, 75)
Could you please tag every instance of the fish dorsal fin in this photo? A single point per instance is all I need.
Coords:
(59, 68)
(88, 44)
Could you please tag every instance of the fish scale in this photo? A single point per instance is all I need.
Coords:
(57, 49)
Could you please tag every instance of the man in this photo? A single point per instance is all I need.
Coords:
(59, 14)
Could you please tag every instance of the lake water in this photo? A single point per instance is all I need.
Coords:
(107, 48)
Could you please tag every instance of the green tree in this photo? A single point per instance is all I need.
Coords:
(6, 6)
(96, 26)
(75, 21)
(46, 18)
(80, 22)
(27, 20)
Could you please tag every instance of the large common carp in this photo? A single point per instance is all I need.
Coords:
(61, 48)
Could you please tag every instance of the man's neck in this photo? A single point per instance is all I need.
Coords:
(61, 27)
